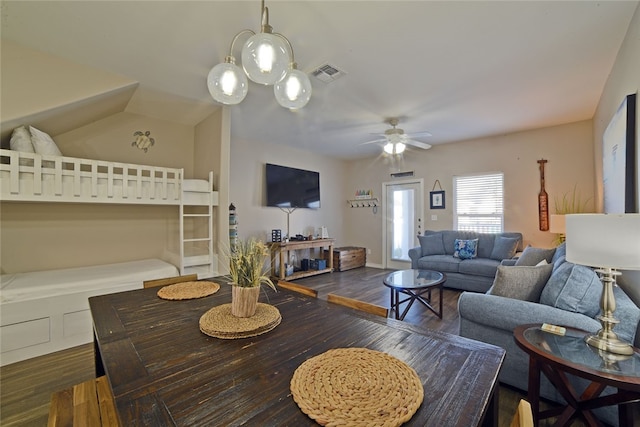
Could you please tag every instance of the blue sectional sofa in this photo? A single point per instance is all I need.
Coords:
(437, 248)
(570, 296)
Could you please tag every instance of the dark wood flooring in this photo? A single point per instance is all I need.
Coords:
(26, 387)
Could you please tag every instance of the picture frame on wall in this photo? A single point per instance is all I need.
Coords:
(436, 199)
(620, 160)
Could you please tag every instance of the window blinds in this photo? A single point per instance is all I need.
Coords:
(478, 203)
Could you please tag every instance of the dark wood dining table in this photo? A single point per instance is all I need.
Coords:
(163, 371)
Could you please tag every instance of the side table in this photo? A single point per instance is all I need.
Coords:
(556, 356)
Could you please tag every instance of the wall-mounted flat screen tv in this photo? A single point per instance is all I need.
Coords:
(292, 188)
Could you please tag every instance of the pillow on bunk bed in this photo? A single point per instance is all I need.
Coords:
(43, 143)
(21, 141)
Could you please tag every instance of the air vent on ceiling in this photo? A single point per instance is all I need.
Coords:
(327, 73)
(401, 174)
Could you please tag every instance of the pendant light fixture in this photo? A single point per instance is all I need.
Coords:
(267, 58)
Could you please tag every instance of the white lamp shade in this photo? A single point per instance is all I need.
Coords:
(265, 58)
(604, 240)
(400, 147)
(227, 83)
(294, 90)
(388, 148)
(557, 224)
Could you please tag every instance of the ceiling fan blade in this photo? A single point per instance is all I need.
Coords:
(419, 134)
(375, 141)
(418, 144)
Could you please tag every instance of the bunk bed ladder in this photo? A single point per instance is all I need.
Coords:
(196, 236)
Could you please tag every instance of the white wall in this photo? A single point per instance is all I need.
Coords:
(247, 189)
(568, 149)
(623, 80)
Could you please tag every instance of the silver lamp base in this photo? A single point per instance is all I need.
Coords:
(609, 344)
(606, 339)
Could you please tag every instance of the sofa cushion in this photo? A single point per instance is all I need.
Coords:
(503, 248)
(574, 288)
(486, 243)
(629, 315)
(431, 244)
(479, 267)
(442, 263)
(532, 256)
(559, 256)
(465, 249)
(524, 283)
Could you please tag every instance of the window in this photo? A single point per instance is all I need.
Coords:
(478, 203)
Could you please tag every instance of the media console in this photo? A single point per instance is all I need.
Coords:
(280, 253)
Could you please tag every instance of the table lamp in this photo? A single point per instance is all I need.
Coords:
(610, 242)
(557, 226)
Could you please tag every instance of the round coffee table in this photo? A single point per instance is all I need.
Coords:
(414, 284)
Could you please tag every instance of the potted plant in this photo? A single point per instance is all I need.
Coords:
(247, 270)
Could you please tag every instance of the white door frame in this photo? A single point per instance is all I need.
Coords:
(419, 219)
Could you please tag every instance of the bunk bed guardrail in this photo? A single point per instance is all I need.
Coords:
(35, 177)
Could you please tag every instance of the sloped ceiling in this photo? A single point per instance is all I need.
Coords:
(457, 69)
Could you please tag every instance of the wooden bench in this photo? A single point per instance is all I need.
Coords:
(298, 288)
(358, 305)
(86, 404)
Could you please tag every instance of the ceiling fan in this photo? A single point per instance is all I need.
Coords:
(396, 140)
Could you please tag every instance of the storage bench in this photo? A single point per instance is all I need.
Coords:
(348, 257)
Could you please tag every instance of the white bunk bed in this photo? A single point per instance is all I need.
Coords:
(46, 311)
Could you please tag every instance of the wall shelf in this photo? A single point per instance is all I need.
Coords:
(364, 203)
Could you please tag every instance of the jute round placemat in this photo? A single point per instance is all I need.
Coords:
(188, 290)
(218, 322)
(357, 387)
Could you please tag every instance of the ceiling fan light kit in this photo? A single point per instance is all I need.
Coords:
(268, 59)
(396, 140)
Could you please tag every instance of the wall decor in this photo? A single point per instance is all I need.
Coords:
(143, 140)
(620, 160)
(543, 200)
(436, 198)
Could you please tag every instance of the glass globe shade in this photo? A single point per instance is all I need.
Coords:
(294, 90)
(388, 148)
(265, 58)
(227, 83)
(400, 148)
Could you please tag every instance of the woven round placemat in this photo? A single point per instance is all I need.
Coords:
(357, 387)
(188, 290)
(218, 322)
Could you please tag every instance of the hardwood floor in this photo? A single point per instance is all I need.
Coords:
(26, 387)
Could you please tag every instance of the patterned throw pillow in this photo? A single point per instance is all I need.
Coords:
(465, 249)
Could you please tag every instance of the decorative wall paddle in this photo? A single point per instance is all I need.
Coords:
(543, 200)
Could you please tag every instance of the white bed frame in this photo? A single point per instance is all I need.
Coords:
(29, 177)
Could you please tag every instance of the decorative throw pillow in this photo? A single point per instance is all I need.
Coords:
(465, 249)
(21, 141)
(531, 256)
(43, 143)
(504, 247)
(574, 288)
(431, 244)
(524, 283)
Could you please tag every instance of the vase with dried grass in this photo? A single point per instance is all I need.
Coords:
(248, 271)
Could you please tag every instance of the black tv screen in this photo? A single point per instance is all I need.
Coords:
(292, 188)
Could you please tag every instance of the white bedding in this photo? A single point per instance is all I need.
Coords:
(44, 284)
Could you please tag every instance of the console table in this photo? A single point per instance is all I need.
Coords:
(280, 252)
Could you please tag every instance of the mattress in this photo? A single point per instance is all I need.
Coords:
(45, 284)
